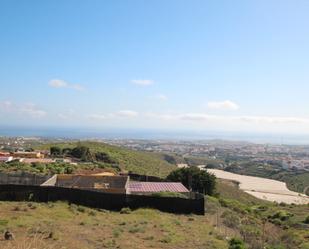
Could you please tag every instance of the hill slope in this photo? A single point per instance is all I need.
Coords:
(60, 225)
(233, 214)
(135, 161)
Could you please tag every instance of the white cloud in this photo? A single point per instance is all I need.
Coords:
(6, 105)
(57, 83)
(31, 110)
(142, 82)
(203, 117)
(110, 116)
(223, 105)
(68, 114)
(28, 109)
(127, 114)
(97, 116)
(204, 121)
(162, 97)
(159, 116)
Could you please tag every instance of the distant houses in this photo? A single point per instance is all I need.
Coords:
(25, 154)
(106, 182)
(31, 157)
(4, 154)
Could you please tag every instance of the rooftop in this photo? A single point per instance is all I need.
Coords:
(94, 182)
(157, 187)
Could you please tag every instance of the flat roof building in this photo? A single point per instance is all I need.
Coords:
(107, 184)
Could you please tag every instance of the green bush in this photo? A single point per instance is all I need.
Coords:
(55, 151)
(3, 222)
(230, 219)
(307, 220)
(83, 153)
(281, 215)
(81, 209)
(235, 243)
(125, 211)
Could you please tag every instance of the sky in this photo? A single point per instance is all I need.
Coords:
(232, 66)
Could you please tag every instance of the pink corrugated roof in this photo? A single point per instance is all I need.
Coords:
(157, 187)
(4, 158)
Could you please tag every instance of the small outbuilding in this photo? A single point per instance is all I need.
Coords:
(107, 184)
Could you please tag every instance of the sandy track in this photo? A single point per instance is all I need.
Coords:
(262, 188)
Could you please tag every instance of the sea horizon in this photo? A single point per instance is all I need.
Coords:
(152, 134)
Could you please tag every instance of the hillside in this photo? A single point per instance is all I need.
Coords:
(135, 161)
(258, 222)
(79, 228)
(232, 213)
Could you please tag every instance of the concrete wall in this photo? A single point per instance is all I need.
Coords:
(22, 178)
(51, 181)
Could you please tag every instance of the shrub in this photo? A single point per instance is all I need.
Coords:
(82, 152)
(55, 151)
(307, 220)
(281, 215)
(103, 157)
(68, 170)
(3, 222)
(136, 230)
(125, 211)
(166, 240)
(230, 219)
(81, 209)
(235, 243)
(92, 213)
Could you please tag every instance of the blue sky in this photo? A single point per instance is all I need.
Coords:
(171, 64)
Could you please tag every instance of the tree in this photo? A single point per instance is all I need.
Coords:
(82, 152)
(55, 151)
(170, 159)
(66, 151)
(103, 157)
(195, 179)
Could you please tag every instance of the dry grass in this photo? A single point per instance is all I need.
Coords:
(84, 228)
(36, 241)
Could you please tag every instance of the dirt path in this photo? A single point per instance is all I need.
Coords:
(263, 188)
